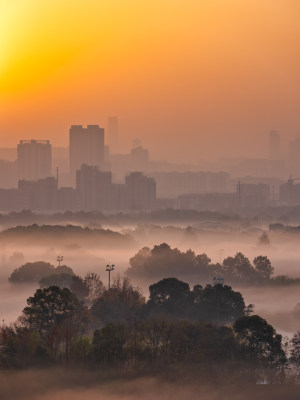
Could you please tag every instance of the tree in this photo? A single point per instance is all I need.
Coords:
(79, 288)
(264, 240)
(57, 315)
(95, 286)
(31, 272)
(259, 340)
(170, 296)
(162, 261)
(120, 304)
(61, 280)
(219, 304)
(263, 267)
(238, 268)
(108, 343)
(36, 271)
(295, 349)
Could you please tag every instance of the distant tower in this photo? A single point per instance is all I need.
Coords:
(274, 145)
(86, 146)
(113, 133)
(34, 159)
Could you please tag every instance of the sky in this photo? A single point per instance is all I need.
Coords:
(192, 79)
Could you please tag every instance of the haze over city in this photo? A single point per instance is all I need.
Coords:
(149, 199)
(192, 80)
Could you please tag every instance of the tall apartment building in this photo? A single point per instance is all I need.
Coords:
(140, 191)
(86, 146)
(34, 159)
(93, 188)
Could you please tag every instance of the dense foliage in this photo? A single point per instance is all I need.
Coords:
(36, 271)
(202, 327)
(162, 260)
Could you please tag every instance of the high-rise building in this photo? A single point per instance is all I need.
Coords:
(93, 188)
(141, 191)
(38, 195)
(274, 145)
(113, 133)
(34, 159)
(86, 146)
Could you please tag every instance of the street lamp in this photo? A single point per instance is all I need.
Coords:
(59, 259)
(109, 268)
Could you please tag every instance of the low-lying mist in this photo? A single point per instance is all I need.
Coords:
(218, 242)
(79, 385)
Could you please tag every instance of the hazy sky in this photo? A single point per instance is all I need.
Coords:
(189, 77)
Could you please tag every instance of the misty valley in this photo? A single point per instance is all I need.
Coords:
(189, 298)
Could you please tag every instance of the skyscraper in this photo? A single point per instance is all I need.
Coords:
(274, 145)
(34, 159)
(113, 133)
(86, 146)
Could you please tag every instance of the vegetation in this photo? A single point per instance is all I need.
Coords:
(177, 327)
(36, 271)
(162, 261)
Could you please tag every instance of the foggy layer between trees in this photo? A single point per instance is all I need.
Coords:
(89, 250)
(78, 385)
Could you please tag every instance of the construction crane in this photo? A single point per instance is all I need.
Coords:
(291, 180)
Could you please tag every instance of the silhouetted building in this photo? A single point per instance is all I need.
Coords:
(174, 184)
(254, 195)
(207, 201)
(67, 199)
(86, 147)
(34, 159)
(141, 191)
(8, 174)
(40, 195)
(113, 134)
(94, 188)
(289, 193)
(274, 146)
(10, 200)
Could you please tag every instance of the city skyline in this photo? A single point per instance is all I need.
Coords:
(214, 90)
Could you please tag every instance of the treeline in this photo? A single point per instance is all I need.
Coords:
(60, 233)
(176, 328)
(162, 260)
(85, 217)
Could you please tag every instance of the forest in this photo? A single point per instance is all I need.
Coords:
(196, 331)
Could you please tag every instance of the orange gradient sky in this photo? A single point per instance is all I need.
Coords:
(191, 79)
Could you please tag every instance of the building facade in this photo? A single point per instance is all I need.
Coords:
(86, 146)
(34, 159)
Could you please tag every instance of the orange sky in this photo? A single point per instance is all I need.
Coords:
(189, 77)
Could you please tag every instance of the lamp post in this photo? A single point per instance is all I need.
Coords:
(109, 268)
(59, 259)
